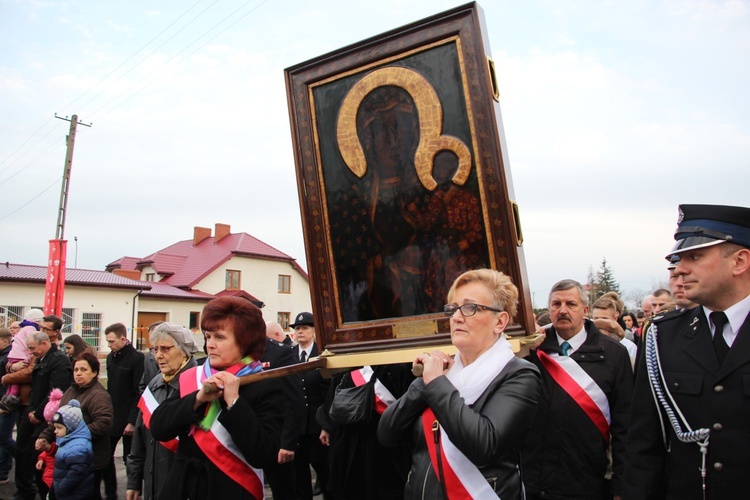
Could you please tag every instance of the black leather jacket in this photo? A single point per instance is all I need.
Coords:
(489, 433)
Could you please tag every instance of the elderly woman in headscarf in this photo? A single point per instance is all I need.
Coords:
(149, 461)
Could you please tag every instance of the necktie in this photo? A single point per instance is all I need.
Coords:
(303, 356)
(565, 346)
(719, 319)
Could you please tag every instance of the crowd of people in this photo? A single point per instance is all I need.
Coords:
(608, 403)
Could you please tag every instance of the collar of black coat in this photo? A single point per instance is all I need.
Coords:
(593, 342)
(124, 350)
(669, 315)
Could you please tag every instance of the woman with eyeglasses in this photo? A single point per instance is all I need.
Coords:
(150, 460)
(97, 409)
(227, 432)
(467, 416)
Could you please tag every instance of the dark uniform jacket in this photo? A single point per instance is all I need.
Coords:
(565, 455)
(254, 423)
(149, 461)
(124, 372)
(709, 395)
(315, 388)
(278, 355)
(489, 433)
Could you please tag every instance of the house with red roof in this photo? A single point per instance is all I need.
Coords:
(215, 265)
(171, 284)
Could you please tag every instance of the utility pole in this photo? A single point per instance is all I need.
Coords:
(71, 140)
(54, 289)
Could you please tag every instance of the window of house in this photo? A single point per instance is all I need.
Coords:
(285, 283)
(91, 326)
(282, 319)
(11, 314)
(150, 276)
(67, 317)
(195, 320)
(233, 280)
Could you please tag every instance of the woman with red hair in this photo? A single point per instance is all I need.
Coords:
(227, 432)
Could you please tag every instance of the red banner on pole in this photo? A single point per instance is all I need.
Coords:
(55, 289)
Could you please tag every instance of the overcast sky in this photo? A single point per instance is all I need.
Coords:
(615, 113)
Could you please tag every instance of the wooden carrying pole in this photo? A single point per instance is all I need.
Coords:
(329, 362)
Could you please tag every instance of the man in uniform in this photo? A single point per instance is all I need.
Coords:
(689, 429)
(587, 384)
(280, 475)
(310, 450)
(677, 287)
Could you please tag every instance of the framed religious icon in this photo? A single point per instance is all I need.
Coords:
(403, 180)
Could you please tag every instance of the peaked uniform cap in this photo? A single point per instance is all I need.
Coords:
(700, 226)
(303, 318)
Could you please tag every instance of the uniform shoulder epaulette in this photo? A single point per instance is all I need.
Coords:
(668, 315)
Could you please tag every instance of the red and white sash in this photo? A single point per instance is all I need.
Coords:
(383, 397)
(461, 477)
(581, 387)
(217, 444)
(148, 404)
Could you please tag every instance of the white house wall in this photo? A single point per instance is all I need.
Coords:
(176, 311)
(260, 278)
(113, 304)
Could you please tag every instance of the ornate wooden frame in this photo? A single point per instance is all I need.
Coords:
(423, 94)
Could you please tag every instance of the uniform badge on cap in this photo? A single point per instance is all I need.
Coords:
(701, 226)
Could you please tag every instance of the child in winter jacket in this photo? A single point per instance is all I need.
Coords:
(11, 400)
(74, 462)
(47, 456)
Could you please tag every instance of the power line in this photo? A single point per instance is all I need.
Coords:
(139, 50)
(169, 61)
(24, 143)
(8, 158)
(44, 153)
(164, 66)
(28, 202)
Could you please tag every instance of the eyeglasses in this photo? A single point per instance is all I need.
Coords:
(164, 349)
(45, 329)
(467, 310)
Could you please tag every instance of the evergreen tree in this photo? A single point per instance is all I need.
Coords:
(592, 286)
(605, 279)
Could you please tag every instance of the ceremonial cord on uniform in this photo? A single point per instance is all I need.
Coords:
(659, 389)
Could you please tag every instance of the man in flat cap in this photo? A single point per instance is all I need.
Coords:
(689, 431)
